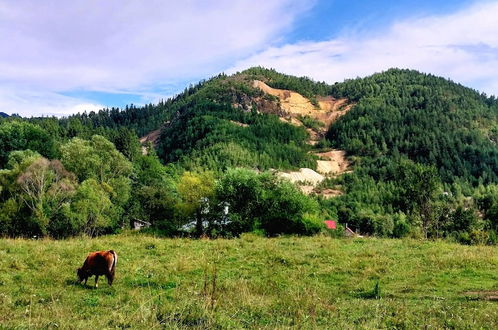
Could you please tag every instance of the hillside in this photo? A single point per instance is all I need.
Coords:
(399, 153)
(251, 282)
(425, 118)
(3, 115)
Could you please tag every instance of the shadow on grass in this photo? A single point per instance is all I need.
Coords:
(374, 293)
(73, 282)
(89, 286)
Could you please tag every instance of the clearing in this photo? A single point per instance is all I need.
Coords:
(250, 282)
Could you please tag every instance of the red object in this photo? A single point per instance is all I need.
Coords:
(330, 224)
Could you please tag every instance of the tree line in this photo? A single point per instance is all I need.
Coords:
(87, 186)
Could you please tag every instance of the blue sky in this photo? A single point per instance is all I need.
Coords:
(60, 57)
(327, 19)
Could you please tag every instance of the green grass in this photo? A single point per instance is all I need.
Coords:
(251, 282)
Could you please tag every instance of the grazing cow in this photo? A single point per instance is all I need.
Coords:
(99, 263)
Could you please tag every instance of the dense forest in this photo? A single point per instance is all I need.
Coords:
(424, 153)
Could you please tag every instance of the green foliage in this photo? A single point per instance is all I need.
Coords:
(310, 122)
(19, 135)
(264, 201)
(35, 190)
(96, 158)
(401, 225)
(242, 190)
(423, 149)
(428, 119)
(105, 188)
(196, 192)
(126, 142)
(153, 194)
(287, 210)
(9, 212)
(92, 210)
(41, 197)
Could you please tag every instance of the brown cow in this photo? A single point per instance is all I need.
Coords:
(99, 263)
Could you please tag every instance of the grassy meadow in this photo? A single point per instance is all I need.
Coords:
(251, 282)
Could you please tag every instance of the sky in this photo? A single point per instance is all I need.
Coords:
(60, 57)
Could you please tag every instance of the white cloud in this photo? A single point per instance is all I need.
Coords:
(116, 45)
(462, 46)
(46, 103)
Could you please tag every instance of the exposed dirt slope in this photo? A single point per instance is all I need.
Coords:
(291, 102)
(239, 123)
(294, 104)
(292, 107)
(152, 137)
(331, 162)
(304, 175)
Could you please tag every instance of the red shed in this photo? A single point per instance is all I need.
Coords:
(331, 224)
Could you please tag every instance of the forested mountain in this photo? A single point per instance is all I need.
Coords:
(423, 151)
(428, 119)
(3, 115)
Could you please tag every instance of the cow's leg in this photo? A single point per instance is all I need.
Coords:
(96, 281)
(86, 279)
(110, 277)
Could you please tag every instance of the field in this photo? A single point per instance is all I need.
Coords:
(251, 282)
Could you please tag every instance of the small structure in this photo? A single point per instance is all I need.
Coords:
(137, 224)
(348, 232)
(331, 224)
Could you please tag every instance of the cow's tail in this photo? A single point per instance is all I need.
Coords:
(114, 260)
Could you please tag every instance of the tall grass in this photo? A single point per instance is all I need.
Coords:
(251, 282)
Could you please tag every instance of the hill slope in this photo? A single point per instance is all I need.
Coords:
(397, 113)
(425, 118)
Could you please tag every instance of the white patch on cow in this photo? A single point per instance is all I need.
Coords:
(114, 261)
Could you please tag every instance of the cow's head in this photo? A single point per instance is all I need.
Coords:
(82, 275)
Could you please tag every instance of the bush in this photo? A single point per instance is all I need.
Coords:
(479, 237)
(312, 223)
(265, 201)
(401, 225)
(463, 237)
(284, 207)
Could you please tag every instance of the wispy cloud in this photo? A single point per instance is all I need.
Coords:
(462, 46)
(42, 103)
(125, 46)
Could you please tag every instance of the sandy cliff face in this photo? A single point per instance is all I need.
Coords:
(294, 104)
(331, 162)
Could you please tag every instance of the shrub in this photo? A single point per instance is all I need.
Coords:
(401, 225)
